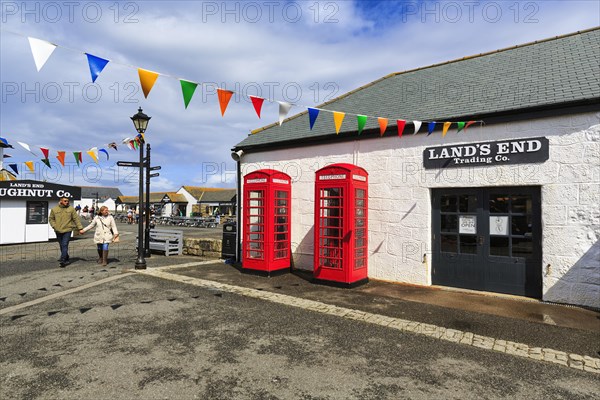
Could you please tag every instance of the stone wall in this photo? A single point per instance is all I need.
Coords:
(209, 248)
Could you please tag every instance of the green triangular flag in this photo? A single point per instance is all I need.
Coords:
(47, 162)
(362, 121)
(188, 88)
(461, 125)
(77, 154)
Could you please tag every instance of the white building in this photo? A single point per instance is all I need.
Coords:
(98, 196)
(511, 206)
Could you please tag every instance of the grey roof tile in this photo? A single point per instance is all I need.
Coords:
(552, 71)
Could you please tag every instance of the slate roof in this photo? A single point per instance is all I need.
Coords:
(155, 197)
(221, 196)
(103, 193)
(556, 72)
(198, 191)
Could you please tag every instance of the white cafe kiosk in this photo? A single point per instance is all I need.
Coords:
(25, 208)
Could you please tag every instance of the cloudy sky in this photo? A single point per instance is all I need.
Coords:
(303, 52)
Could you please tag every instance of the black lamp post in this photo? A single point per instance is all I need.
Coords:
(140, 121)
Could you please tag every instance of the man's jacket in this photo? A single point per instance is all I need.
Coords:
(64, 219)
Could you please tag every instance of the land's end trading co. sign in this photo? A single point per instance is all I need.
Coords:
(34, 190)
(516, 151)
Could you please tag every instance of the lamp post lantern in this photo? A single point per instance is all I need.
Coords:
(140, 121)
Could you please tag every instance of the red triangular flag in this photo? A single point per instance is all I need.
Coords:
(257, 102)
(469, 124)
(401, 124)
(224, 97)
(45, 151)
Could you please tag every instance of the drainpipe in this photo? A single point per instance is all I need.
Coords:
(237, 156)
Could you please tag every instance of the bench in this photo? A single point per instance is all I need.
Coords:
(169, 241)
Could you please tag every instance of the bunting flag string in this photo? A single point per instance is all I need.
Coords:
(445, 128)
(14, 167)
(61, 157)
(105, 152)
(42, 50)
(361, 121)
(29, 165)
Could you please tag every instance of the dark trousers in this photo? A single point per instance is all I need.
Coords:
(63, 241)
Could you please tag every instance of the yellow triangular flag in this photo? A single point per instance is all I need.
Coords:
(29, 165)
(338, 117)
(147, 79)
(446, 127)
(93, 154)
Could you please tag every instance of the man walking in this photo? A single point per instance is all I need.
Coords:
(63, 219)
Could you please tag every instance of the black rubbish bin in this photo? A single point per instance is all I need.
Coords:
(229, 240)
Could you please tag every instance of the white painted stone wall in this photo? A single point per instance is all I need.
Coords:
(400, 204)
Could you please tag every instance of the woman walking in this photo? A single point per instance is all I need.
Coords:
(106, 233)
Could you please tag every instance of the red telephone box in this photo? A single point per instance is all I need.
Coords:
(266, 243)
(341, 229)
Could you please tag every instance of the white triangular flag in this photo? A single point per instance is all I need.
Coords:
(417, 126)
(284, 109)
(41, 51)
(26, 147)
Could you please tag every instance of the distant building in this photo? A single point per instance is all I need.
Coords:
(206, 201)
(98, 196)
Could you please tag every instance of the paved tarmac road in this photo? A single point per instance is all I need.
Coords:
(104, 333)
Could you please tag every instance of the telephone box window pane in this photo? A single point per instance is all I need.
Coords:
(256, 236)
(359, 252)
(359, 242)
(522, 247)
(468, 244)
(499, 246)
(281, 194)
(281, 228)
(360, 212)
(331, 192)
(256, 203)
(448, 204)
(255, 211)
(281, 203)
(360, 203)
(256, 254)
(360, 222)
(359, 233)
(255, 245)
(467, 203)
(281, 211)
(255, 220)
(360, 193)
(281, 236)
(449, 223)
(449, 244)
(359, 263)
(256, 194)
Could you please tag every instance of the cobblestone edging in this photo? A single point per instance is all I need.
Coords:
(576, 361)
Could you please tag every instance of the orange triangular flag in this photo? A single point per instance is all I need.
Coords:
(446, 127)
(338, 117)
(382, 125)
(224, 97)
(147, 80)
(61, 157)
(29, 165)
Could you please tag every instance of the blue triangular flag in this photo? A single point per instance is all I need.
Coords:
(14, 168)
(431, 127)
(97, 64)
(313, 113)
(105, 152)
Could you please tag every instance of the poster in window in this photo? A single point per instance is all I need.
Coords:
(37, 212)
(499, 225)
(467, 224)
